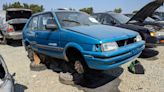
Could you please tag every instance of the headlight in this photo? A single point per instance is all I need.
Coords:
(105, 47)
(138, 38)
(153, 34)
(109, 46)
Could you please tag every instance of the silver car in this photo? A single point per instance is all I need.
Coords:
(6, 80)
(12, 22)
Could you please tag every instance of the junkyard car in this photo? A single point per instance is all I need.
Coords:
(13, 23)
(120, 20)
(6, 80)
(136, 23)
(79, 39)
(148, 11)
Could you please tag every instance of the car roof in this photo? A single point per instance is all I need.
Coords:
(53, 12)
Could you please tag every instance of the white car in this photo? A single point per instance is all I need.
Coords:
(6, 79)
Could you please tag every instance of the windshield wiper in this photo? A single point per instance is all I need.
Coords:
(71, 21)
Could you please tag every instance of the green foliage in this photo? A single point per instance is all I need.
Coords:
(34, 7)
(118, 10)
(88, 10)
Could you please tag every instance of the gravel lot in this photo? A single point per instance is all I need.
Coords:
(115, 80)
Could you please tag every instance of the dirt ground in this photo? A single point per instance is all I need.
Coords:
(115, 80)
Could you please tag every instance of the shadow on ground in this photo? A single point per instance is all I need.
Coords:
(20, 88)
(106, 81)
(149, 54)
(16, 43)
(96, 81)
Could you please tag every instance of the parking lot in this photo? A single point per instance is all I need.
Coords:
(110, 81)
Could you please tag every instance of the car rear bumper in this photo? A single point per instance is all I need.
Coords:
(14, 35)
(113, 59)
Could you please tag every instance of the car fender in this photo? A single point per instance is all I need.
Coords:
(74, 45)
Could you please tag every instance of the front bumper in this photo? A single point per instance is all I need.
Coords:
(113, 59)
(151, 41)
(14, 35)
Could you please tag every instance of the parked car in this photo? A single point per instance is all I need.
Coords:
(120, 20)
(81, 40)
(157, 25)
(12, 23)
(147, 11)
(136, 23)
(6, 79)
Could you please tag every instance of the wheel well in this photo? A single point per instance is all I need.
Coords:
(72, 53)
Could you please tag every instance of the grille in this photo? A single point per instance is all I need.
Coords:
(126, 42)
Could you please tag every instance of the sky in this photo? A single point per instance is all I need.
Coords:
(127, 6)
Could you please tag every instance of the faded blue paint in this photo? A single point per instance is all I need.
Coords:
(83, 38)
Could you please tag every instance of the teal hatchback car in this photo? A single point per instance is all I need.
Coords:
(79, 39)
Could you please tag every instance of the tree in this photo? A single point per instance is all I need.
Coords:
(118, 10)
(88, 10)
(34, 7)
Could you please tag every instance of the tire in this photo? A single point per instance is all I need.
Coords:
(33, 66)
(78, 69)
(39, 67)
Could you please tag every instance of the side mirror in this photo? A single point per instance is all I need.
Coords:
(51, 26)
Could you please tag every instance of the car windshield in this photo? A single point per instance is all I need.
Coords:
(120, 17)
(71, 19)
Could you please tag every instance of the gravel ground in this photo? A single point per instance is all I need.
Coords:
(116, 80)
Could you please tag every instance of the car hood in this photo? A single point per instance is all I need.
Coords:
(103, 32)
(147, 11)
(134, 27)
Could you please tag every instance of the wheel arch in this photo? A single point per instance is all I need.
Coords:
(72, 47)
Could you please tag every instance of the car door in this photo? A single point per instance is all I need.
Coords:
(48, 41)
(31, 29)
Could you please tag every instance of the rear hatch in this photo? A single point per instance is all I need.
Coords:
(147, 11)
(18, 18)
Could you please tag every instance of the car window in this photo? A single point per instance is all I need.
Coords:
(33, 25)
(71, 19)
(44, 19)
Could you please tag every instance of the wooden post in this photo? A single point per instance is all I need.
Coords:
(36, 59)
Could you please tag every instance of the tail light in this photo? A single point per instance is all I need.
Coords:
(10, 29)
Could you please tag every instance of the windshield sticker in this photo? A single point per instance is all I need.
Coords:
(93, 20)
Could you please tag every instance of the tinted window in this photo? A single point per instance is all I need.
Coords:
(33, 25)
(44, 19)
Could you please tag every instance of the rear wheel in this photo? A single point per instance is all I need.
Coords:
(36, 60)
